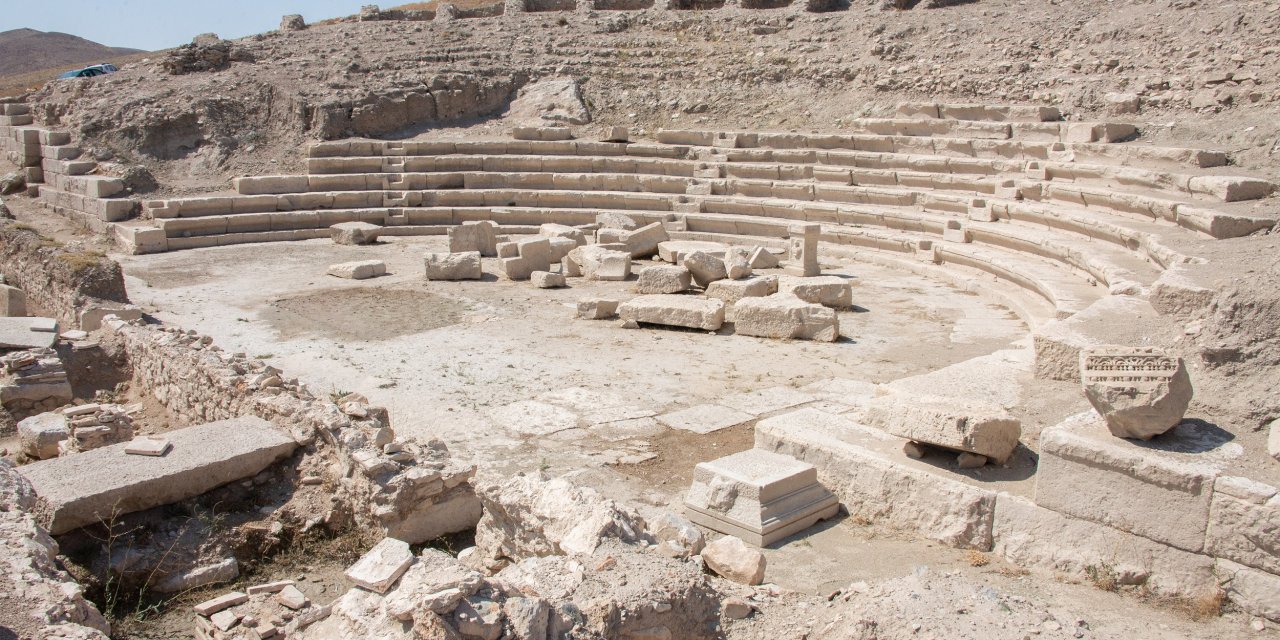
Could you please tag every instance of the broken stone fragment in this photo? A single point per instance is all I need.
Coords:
(1141, 392)
(731, 558)
(382, 565)
(454, 266)
(705, 268)
(597, 308)
(354, 233)
(677, 537)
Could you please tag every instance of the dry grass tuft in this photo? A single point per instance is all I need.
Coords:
(977, 558)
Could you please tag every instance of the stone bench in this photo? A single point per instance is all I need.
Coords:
(99, 485)
(980, 112)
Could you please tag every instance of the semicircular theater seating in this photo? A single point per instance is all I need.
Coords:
(1063, 211)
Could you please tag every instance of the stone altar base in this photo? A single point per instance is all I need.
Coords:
(758, 496)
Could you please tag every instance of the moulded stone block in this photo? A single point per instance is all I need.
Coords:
(1087, 473)
(1140, 392)
(758, 496)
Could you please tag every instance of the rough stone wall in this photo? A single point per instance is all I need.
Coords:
(37, 598)
(57, 282)
(392, 488)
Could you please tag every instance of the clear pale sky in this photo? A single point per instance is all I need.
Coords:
(160, 24)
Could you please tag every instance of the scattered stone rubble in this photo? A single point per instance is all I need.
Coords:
(75, 429)
(32, 381)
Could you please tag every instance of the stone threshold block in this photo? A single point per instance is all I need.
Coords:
(96, 485)
(865, 469)
(1160, 489)
(758, 496)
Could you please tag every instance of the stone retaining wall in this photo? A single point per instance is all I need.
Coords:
(57, 282)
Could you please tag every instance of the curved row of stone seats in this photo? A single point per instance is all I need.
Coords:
(1099, 151)
(980, 112)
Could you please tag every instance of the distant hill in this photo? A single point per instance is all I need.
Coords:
(27, 50)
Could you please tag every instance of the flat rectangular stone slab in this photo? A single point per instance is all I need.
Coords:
(759, 496)
(88, 487)
(986, 430)
(762, 401)
(359, 270)
(147, 446)
(28, 333)
(705, 418)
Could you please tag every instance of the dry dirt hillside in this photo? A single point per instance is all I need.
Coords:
(26, 50)
(1198, 72)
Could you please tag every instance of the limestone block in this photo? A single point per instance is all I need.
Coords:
(737, 262)
(454, 511)
(613, 220)
(13, 302)
(595, 262)
(220, 603)
(89, 487)
(674, 251)
(546, 280)
(552, 230)
(953, 423)
(382, 565)
(1231, 188)
(758, 496)
(762, 258)
(705, 268)
(869, 475)
(676, 536)
(454, 266)
(40, 435)
(560, 247)
(828, 291)
(354, 233)
(616, 134)
(731, 291)
(675, 311)
(784, 317)
(1035, 537)
(705, 418)
(643, 242)
(91, 317)
(1140, 392)
(224, 570)
(732, 559)
(360, 270)
(474, 236)
(1244, 523)
(1163, 495)
(1256, 592)
(663, 279)
(597, 308)
(536, 252)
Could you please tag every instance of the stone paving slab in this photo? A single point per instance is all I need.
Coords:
(705, 418)
(89, 487)
(762, 401)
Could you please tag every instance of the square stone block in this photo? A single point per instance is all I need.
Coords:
(758, 496)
